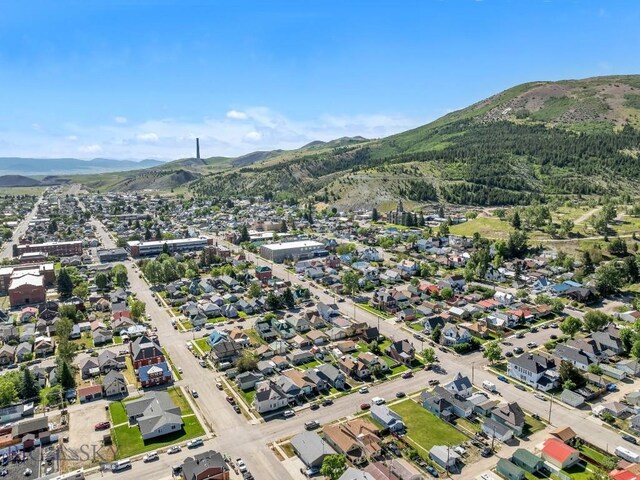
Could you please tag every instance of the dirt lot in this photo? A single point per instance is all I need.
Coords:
(85, 444)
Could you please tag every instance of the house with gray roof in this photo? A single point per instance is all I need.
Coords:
(207, 465)
(387, 418)
(577, 358)
(155, 414)
(535, 370)
(460, 385)
(269, 396)
(311, 449)
(511, 416)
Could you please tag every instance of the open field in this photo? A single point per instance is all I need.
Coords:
(489, 227)
(424, 428)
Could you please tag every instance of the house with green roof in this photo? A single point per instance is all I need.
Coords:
(527, 460)
(509, 470)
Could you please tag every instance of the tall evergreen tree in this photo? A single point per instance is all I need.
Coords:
(375, 216)
(65, 284)
(29, 388)
(65, 375)
(515, 221)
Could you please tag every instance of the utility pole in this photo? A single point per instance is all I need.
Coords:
(473, 372)
(550, 405)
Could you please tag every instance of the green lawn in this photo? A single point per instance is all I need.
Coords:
(203, 344)
(312, 364)
(593, 454)
(130, 443)
(216, 320)
(424, 428)
(248, 396)
(178, 398)
(577, 472)
(531, 425)
(117, 412)
(174, 369)
(375, 311)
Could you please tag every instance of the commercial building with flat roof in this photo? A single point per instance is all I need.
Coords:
(107, 255)
(147, 249)
(58, 249)
(278, 252)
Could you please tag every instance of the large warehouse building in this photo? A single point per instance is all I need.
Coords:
(147, 249)
(278, 252)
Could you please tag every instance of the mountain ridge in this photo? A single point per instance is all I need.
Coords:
(67, 166)
(527, 143)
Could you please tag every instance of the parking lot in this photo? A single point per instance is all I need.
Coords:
(539, 338)
(84, 447)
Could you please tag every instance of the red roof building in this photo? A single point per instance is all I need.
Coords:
(559, 454)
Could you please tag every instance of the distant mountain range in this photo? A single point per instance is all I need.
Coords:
(69, 166)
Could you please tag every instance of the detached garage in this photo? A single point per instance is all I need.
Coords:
(87, 394)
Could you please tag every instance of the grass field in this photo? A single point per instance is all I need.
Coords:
(489, 227)
(117, 412)
(23, 190)
(424, 428)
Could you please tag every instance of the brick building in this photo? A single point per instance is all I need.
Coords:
(58, 249)
(27, 289)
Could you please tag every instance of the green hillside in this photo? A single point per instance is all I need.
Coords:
(532, 141)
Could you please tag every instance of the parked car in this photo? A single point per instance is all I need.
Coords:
(434, 381)
(363, 390)
(518, 350)
(365, 406)
(310, 472)
(327, 402)
(400, 394)
(519, 386)
(288, 413)
(219, 386)
(150, 457)
(314, 406)
(612, 387)
(553, 336)
(194, 393)
(520, 335)
(540, 396)
(508, 354)
(407, 374)
(554, 325)
(236, 409)
(486, 452)
(195, 443)
(532, 345)
(502, 378)
(174, 449)
(432, 471)
(630, 439)
(102, 426)
(231, 400)
(312, 425)
(534, 329)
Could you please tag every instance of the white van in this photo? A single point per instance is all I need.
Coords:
(120, 465)
(378, 400)
(487, 385)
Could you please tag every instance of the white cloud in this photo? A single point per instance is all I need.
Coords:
(236, 115)
(253, 136)
(121, 120)
(170, 137)
(147, 137)
(90, 149)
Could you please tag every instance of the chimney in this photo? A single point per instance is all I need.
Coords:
(198, 148)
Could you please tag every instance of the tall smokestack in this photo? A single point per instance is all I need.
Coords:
(198, 148)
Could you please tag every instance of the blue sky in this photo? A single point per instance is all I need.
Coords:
(142, 79)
